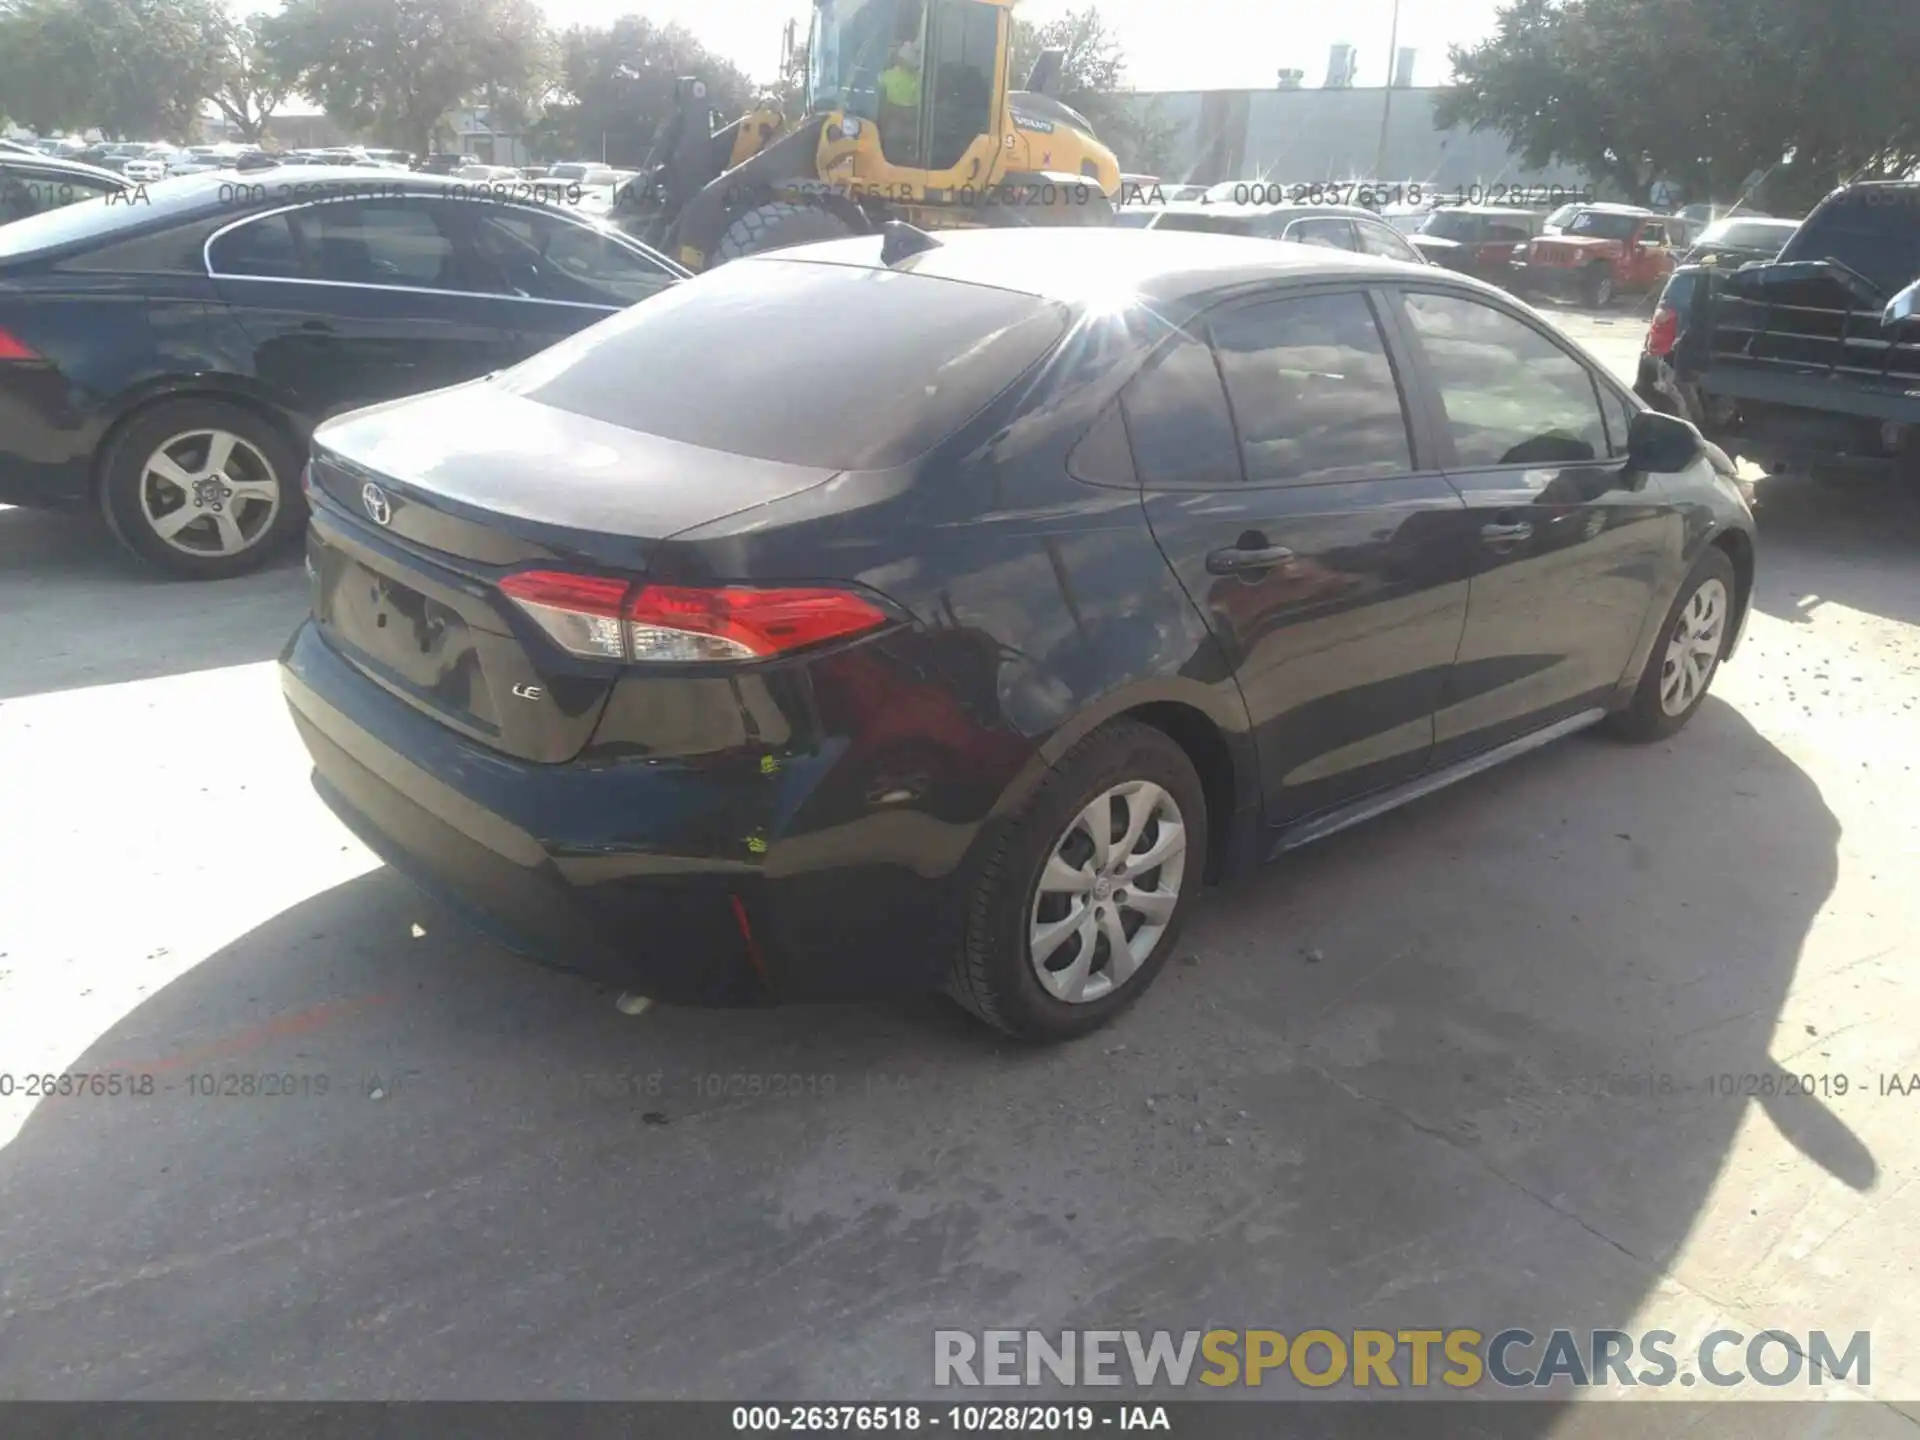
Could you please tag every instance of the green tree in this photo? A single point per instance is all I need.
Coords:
(249, 87)
(1093, 81)
(615, 86)
(138, 69)
(1708, 93)
(393, 69)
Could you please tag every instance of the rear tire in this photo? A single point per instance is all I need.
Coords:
(202, 488)
(1011, 970)
(1697, 628)
(777, 225)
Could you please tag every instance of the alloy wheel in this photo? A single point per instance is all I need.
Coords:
(1107, 892)
(209, 492)
(1693, 648)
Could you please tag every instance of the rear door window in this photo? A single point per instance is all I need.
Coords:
(1314, 395)
(398, 242)
(842, 367)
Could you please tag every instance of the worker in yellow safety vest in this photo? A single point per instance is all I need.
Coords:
(900, 100)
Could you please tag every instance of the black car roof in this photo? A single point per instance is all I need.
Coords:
(1077, 266)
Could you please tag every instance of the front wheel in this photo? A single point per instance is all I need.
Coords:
(1084, 891)
(1687, 655)
(776, 226)
(1599, 287)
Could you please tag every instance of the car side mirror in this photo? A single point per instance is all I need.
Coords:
(1662, 444)
(1903, 307)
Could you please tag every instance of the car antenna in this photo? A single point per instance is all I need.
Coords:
(902, 240)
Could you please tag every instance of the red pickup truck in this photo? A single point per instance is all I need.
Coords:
(1603, 251)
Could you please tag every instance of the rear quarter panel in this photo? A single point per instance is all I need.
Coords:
(1041, 605)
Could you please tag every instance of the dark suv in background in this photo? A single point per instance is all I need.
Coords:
(1803, 362)
(1477, 240)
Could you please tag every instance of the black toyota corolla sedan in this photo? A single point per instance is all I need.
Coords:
(829, 627)
(165, 351)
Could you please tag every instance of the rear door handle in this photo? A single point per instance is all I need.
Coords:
(1506, 534)
(1237, 561)
(316, 327)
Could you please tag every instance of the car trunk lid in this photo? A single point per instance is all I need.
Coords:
(421, 514)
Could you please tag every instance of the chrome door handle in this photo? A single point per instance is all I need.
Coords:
(1236, 561)
(1506, 534)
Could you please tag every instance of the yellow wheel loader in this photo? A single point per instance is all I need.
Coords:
(910, 115)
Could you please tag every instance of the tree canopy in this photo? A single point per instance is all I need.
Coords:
(1706, 93)
(614, 85)
(1094, 81)
(249, 86)
(394, 68)
(134, 68)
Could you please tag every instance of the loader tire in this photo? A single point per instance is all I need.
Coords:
(778, 224)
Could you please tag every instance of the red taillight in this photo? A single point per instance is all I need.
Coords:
(609, 619)
(580, 612)
(12, 347)
(1664, 332)
(670, 622)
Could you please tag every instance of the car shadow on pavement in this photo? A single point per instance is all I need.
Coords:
(76, 611)
(1851, 543)
(1459, 1067)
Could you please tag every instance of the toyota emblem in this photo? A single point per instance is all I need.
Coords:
(375, 499)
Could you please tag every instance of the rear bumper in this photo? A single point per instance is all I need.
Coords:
(522, 851)
(46, 449)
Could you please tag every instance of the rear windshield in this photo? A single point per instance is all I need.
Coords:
(86, 219)
(1209, 224)
(1450, 225)
(1603, 225)
(835, 366)
(1748, 234)
(1873, 233)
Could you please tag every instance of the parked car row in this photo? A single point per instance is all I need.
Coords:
(1593, 252)
(1336, 227)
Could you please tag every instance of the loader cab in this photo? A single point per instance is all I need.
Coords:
(926, 73)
